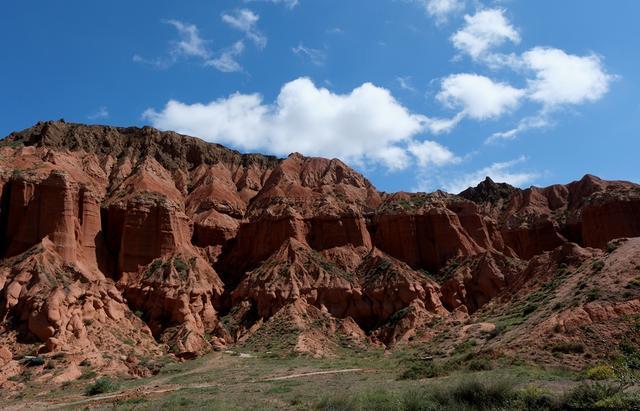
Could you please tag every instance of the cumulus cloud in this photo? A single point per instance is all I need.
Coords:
(498, 172)
(484, 31)
(430, 153)
(562, 78)
(246, 21)
(440, 10)
(478, 96)
(366, 126)
(226, 61)
(316, 56)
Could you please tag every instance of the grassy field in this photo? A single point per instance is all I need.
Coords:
(363, 381)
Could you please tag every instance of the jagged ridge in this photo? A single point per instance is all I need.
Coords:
(192, 237)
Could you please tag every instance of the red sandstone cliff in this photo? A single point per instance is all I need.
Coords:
(125, 234)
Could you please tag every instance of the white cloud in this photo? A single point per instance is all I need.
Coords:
(405, 83)
(366, 126)
(563, 78)
(246, 21)
(429, 153)
(498, 172)
(477, 96)
(287, 3)
(102, 112)
(442, 9)
(159, 63)
(484, 31)
(443, 125)
(540, 120)
(335, 30)
(190, 43)
(226, 61)
(316, 56)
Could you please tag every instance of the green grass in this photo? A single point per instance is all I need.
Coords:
(224, 381)
(471, 394)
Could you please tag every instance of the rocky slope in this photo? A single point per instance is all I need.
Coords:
(123, 244)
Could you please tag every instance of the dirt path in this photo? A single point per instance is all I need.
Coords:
(309, 374)
(161, 386)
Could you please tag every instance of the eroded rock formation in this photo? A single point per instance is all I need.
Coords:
(134, 240)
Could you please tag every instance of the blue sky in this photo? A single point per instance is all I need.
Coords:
(416, 94)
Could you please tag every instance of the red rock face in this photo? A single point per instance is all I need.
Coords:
(152, 227)
(479, 279)
(326, 232)
(615, 219)
(158, 236)
(64, 309)
(177, 297)
(65, 212)
(379, 287)
(527, 242)
(427, 240)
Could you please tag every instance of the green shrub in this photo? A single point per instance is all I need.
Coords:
(600, 372)
(398, 315)
(634, 283)
(534, 398)
(369, 401)
(177, 403)
(568, 347)
(472, 394)
(32, 361)
(631, 356)
(585, 396)
(101, 386)
(499, 329)
(422, 369)
(87, 375)
(180, 265)
(153, 267)
(593, 294)
(529, 309)
(336, 404)
(464, 347)
(597, 266)
(479, 395)
(480, 364)
(620, 401)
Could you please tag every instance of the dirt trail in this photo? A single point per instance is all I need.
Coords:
(161, 386)
(308, 374)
